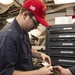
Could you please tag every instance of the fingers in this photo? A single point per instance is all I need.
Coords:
(45, 58)
(50, 69)
(48, 60)
(47, 65)
(51, 73)
(58, 68)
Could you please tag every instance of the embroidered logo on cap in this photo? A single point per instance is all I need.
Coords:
(32, 8)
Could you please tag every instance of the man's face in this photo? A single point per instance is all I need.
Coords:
(31, 23)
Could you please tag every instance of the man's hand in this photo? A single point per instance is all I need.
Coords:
(45, 58)
(45, 70)
(62, 71)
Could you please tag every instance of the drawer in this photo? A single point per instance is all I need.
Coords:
(61, 27)
(61, 31)
(63, 61)
(61, 36)
(66, 39)
(61, 51)
(61, 44)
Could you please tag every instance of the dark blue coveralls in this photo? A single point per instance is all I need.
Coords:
(15, 49)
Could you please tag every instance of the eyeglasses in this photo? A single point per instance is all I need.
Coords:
(35, 23)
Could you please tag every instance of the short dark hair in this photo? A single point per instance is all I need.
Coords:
(22, 9)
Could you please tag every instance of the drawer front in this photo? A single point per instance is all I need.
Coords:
(61, 44)
(62, 27)
(61, 36)
(64, 61)
(61, 52)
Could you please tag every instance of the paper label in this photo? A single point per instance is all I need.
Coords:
(70, 52)
(67, 28)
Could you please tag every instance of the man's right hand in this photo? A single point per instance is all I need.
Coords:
(45, 70)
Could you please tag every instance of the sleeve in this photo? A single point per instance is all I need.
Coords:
(72, 69)
(7, 55)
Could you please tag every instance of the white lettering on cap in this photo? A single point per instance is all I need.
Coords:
(32, 7)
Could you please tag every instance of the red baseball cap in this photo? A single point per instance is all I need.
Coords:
(38, 8)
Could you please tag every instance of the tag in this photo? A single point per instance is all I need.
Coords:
(45, 64)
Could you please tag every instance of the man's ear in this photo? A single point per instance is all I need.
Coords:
(25, 14)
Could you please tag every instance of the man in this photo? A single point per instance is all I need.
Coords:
(65, 71)
(15, 49)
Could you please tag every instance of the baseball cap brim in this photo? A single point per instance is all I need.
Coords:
(42, 20)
